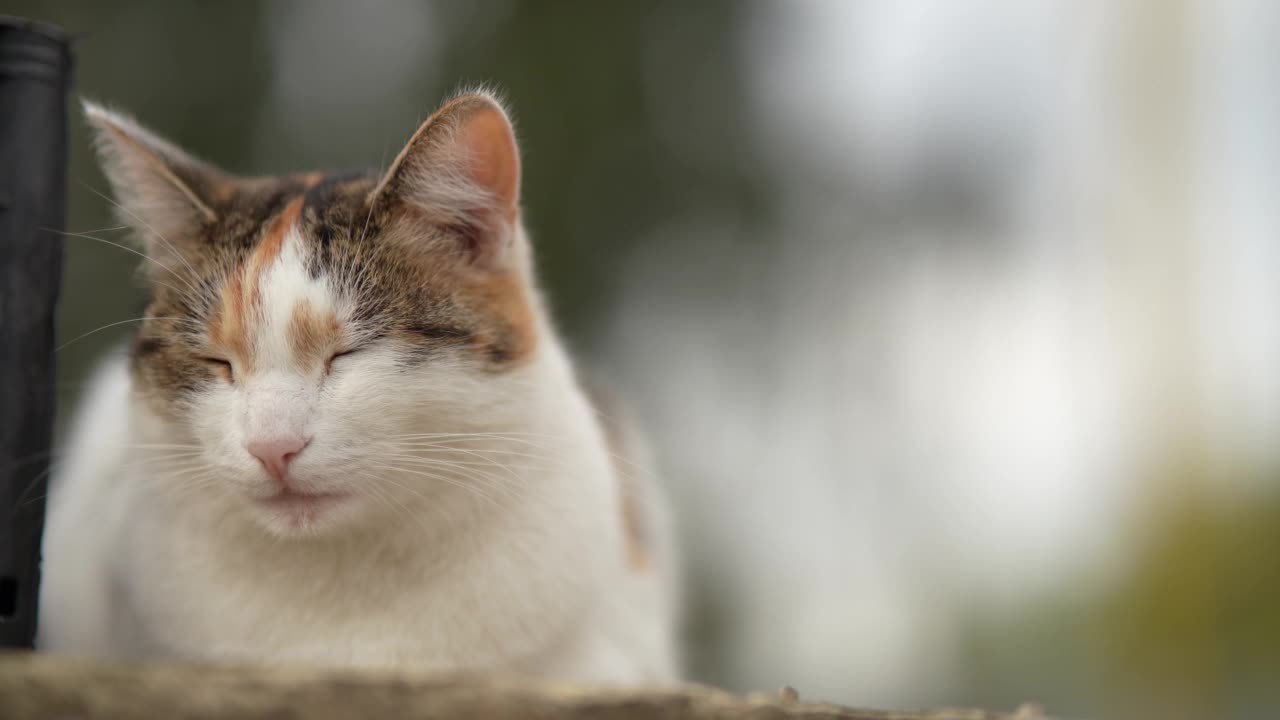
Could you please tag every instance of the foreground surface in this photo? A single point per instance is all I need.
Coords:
(33, 686)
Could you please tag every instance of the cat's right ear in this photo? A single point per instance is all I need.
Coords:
(461, 169)
(161, 191)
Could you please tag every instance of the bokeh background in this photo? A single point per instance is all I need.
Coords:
(954, 324)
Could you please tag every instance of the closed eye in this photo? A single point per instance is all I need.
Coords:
(328, 366)
(220, 366)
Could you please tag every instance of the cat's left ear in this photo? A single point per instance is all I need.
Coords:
(161, 190)
(461, 171)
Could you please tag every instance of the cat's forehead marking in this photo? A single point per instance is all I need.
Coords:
(275, 313)
(272, 244)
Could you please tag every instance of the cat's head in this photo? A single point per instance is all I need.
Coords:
(310, 337)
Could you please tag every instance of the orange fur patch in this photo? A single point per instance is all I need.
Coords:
(242, 297)
(631, 512)
(273, 242)
(313, 335)
(228, 327)
(223, 192)
(506, 297)
(638, 557)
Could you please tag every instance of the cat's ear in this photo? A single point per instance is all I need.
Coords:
(161, 190)
(461, 170)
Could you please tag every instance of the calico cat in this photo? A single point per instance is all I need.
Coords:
(346, 433)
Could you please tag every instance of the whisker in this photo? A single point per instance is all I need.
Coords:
(121, 322)
(496, 483)
(194, 292)
(627, 468)
(443, 447)
(145, 224)
(373, 490)
(485, 462)
(442, 478)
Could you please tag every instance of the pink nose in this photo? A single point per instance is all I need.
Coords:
(276, 454)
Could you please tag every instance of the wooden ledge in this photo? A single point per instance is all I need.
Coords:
(36, 687)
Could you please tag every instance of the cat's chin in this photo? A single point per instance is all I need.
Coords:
(295, 514)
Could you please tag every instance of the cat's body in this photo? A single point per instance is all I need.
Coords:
(348, 435)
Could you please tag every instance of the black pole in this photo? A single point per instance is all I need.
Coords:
(35, 74)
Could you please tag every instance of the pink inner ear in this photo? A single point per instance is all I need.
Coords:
(493, 160)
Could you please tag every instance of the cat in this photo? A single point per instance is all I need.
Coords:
(346, 433)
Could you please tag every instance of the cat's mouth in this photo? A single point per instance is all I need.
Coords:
(294, 500)
(291, 511)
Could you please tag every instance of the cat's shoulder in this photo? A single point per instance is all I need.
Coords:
(100, 431)
(84, 515)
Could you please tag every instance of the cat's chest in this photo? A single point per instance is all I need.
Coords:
(195, 600)
(160, 628)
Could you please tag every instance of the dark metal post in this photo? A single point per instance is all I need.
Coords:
(35, 74)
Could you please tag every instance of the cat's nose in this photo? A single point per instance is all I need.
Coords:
(276, 453)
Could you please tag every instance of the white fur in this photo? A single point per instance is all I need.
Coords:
(148, 557)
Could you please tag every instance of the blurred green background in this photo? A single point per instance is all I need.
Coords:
(953, 323)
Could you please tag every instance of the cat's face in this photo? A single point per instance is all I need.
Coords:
(312, 338)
